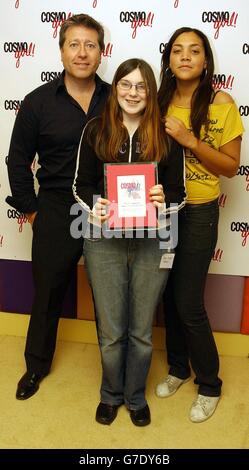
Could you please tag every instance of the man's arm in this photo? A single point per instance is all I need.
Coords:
(23, 147)
(86, 176)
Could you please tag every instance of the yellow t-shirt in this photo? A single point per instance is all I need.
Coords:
(224, 125)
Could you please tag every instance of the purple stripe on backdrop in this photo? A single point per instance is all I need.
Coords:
(224, 302)
(16, 289)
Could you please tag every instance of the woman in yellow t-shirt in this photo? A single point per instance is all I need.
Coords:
(209, 127)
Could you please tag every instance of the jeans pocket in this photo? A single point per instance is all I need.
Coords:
(90, 241)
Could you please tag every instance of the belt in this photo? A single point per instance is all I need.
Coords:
(210, 203)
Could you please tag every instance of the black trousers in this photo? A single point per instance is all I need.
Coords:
(55, 254)
(188, 332)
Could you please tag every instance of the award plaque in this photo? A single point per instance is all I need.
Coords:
(127, 188)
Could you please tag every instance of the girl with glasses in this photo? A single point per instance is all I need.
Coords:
(124, 271)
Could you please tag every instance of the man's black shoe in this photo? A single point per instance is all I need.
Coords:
(140, 417)
(28, 385)
(105, 414)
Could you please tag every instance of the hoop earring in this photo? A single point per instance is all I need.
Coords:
(168, 70)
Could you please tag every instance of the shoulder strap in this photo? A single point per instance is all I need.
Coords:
(214, 93)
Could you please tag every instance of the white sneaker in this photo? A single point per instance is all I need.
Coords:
(169, 386)
(202, 408)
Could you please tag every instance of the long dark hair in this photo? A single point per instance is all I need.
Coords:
(109, 132)
(202, 96)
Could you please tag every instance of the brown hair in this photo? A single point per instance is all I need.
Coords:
(111, 133)
(202, 96)
(82, 20)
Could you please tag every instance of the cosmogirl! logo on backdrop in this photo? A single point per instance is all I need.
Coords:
(47, 76)
(243, 171)
(221, 81)
(20, 49)
(1, 241)
(222, 200)
(17, 3)
(107, 52)
(244, 235)
(176, 3)
(21, 218)
(95, 2)
(245, 48)
(220, 19)
(56, 18)
(12, 105)
(30, 52)
(242, 227)
(244, 110)
(162, 47)
(217, 255)
(137, 19)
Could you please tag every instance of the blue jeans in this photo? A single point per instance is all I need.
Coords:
(188, 332)
(127, 284)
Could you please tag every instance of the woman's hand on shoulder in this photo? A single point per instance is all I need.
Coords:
(222, 97)
(177, 129)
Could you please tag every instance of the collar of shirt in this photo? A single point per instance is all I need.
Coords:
(99, 83)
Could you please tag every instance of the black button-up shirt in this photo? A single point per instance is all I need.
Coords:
(49, 123)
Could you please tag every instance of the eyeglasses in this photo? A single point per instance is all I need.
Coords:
(126, 86)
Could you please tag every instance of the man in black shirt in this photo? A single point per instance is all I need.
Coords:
(50, 123)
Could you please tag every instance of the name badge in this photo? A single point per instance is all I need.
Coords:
(167, 261)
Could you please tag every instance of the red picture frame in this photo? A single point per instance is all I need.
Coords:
(127, 187)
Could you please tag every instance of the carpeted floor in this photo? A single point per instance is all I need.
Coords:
(61, 414)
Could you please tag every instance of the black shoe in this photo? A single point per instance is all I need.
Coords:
(105, 414)
(140, 417)
(28, 385)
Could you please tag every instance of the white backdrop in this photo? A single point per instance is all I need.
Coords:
(35, 24)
